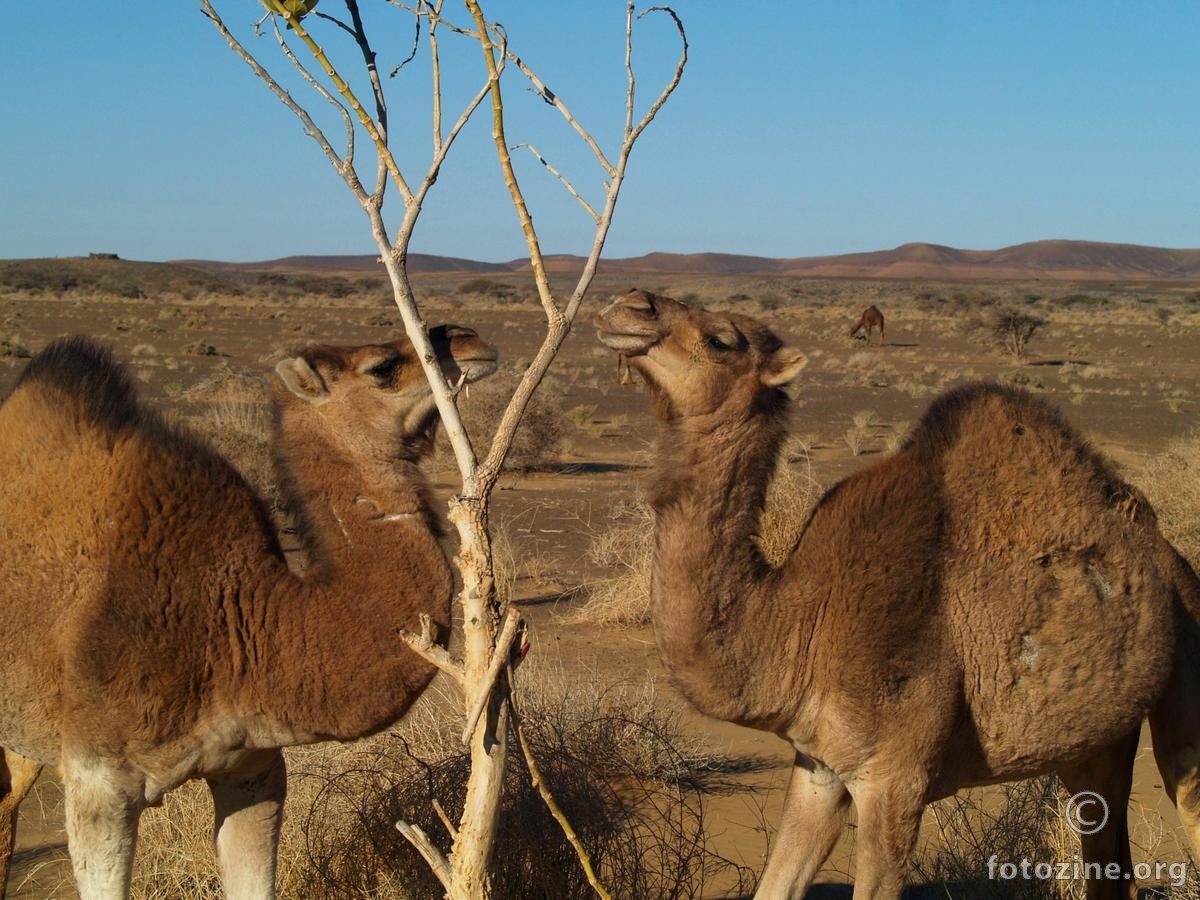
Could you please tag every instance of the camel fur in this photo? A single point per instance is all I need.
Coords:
(990, 603)
(153, 630)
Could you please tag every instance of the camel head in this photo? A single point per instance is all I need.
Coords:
(376, 395)
(698, 363)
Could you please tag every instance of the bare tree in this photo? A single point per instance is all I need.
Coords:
(489, 632)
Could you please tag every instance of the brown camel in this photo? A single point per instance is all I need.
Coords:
(871, 319)
(153, 632)
(988, 604)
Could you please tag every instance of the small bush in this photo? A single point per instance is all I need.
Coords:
(200, 348)
(631, 783)
(485, 287)
(1012, 331)
(538, 442)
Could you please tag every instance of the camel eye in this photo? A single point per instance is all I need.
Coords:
(716, 343)
(384, 371)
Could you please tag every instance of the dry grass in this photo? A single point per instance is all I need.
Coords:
(977, 831)
(626, 548)
(1172, 482)
(233, 414)
(632, 784)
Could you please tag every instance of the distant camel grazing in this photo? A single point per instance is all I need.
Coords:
(153, 632)
(871, 319)
(988, 604)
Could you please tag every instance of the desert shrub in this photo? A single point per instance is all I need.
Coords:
(232, 413)
(855, 438)
(11, 347)
(1012, 330)
(539, 440)
(1025, 822)
(485, 287)
(1172, 482)
(770, 301)
(631, 783)
(581, 416)
(975, 831)
(626, 548)
(200, 348)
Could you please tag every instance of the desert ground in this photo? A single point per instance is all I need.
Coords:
(1122, 359)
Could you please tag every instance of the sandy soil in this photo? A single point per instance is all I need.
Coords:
(1126, 371)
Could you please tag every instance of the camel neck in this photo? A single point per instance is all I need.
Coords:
(712, 587)
(336, 666)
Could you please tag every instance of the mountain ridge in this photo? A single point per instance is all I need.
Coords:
(1055, 259)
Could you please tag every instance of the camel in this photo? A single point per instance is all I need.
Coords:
(153, 631)
(871, 319)
(988, 604)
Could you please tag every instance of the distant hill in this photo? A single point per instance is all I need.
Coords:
(1058, 260)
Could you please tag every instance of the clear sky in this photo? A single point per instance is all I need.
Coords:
(800, 129)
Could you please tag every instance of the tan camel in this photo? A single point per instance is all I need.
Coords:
(990, 603)
(153, 632)
(871, 319)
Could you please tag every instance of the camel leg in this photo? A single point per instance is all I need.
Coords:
(1175, 730)
(813, 816)
(1109, 774)
(17, 775)
(248, 812)
(889, 817)
(103, 804)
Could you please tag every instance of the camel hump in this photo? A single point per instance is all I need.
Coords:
(990, 411)
(79, 372)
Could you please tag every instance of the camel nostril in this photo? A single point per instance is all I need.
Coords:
(640, 301)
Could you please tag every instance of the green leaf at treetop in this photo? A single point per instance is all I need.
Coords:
(298, 9)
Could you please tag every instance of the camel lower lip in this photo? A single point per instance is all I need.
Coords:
(477, 368)
(625, 342)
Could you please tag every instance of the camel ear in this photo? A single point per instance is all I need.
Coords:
(783, 366)
(303, 380)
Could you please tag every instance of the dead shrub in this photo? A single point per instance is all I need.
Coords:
(625, 549)
(632, 785)
(1019, 821)
(540, 437)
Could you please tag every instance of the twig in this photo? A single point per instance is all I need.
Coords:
(364, 118)
(441, 814)
(423, 645)
(310, 127)
(512, 619)
(432, 855)
(535, 777)
(347, 160)
(565, 183)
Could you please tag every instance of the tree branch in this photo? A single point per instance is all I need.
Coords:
(432, 855)
(423, 645)
(535, 777)
(565, 183)
(512, 619)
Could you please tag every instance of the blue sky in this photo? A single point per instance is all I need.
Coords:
(800, 129)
